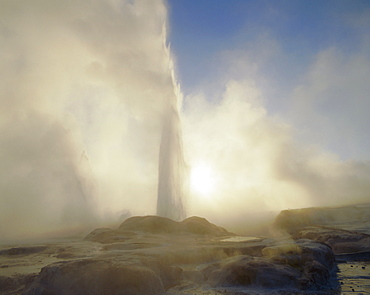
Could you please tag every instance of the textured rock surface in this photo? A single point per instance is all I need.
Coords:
(155, 255)
(345, 229)
(156, 224)
(247, 271)
(102, 276)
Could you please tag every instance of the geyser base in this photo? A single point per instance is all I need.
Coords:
(164, 256)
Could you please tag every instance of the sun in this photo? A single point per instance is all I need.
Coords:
(202, 179)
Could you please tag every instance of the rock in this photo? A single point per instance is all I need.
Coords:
(92, 276)
(163, 225)
(96, 232)
(342, 241)
(150, 224)
(301, 252)
(291, 220)
(22, 250)
(251, 271)
(316, 276)
(107, 236)
(201, 226)
(300, 265)
(344, 228)
(155, 255)
(9, 285)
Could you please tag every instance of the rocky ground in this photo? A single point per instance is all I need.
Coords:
(155, 255)
(346, 230)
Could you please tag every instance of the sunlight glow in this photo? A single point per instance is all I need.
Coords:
(202, 179)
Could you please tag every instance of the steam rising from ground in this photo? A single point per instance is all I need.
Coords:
(257, 165)
(83, 89)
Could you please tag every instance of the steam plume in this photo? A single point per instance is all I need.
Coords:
(172, 169)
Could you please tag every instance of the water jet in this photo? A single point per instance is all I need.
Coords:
(172, 174)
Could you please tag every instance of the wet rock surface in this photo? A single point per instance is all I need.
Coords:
(346, 230)
(154, 255)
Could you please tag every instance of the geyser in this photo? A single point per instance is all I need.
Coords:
(172, 174)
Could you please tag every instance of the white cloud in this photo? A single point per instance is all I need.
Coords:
(331, 106)
(83, 88)
(80, 79)
(256, 161)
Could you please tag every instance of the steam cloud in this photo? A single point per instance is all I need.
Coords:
(258, 164)
(83, 90)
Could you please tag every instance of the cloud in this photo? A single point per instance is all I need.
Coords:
(278, 134)
(257, 162)
(331, 104)
(83, 87)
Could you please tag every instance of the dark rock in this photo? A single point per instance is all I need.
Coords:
(315, 262)
(298, 253)
(150, 224)
(316, 276)
(107, 236)
(154, 255)
(163, 225)
(333, 226)
(15, 283)
(96, 277)
(291, 220)
(248, 271)
(22, 250)
(202, 226)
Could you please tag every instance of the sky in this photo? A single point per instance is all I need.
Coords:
(284, 46)
(276, 98)
(273, 97)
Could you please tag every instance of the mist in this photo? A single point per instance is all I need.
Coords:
(83, 89)
(83, 92)
(258, 164)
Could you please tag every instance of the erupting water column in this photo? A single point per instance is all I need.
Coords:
(172, 182)
(173, 172)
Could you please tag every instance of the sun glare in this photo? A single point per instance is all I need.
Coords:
(202, 179)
